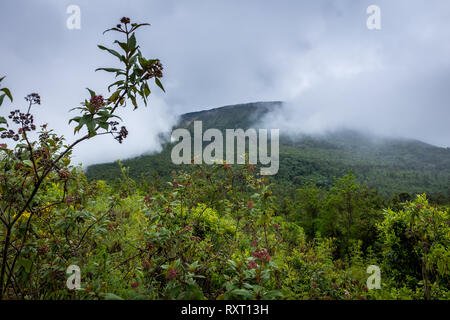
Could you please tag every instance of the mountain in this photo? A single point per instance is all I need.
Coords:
(388, 165)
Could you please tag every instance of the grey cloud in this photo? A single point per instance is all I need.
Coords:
(316, 55)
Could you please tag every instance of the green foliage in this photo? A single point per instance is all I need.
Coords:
(391, 166)
(30, 168)
(213, 232)
(416, 241)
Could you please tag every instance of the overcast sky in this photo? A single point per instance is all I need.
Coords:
(318, 56)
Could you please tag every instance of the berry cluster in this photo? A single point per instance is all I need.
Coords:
(125, 20)
(154, 71)
(262, 255)
(33, 98)
(25, 120)
(172, 274)
(95, 103)
(122, 134)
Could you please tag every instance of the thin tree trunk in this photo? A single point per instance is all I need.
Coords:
(4, 261)
(425, 282)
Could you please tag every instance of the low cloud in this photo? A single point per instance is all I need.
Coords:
(318, 56)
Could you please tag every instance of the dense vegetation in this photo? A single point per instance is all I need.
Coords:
(219, 233)
(205, 232)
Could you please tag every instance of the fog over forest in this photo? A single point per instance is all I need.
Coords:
(317, 56)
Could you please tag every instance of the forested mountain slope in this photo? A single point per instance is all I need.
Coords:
(389, 165)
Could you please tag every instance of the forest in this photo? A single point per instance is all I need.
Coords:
(215, 232)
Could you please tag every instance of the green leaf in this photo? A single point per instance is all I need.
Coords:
(132, 42)
(26, 264)
(91, 128)
(133, 100)
(159, 84)
(114, 96)
(7, 92)
(112, 296)
(76, 119)
(123, 45)
(146, 90)
(1, 99)
(243, 293)
(144, 63)
(81, 122)
(104, 125)
(133, 60)
(28, 163)
(117, 83)
(91, 92)
(113, 52)
(112, 29)
(140, 25)
(273, 294)
(109, 70)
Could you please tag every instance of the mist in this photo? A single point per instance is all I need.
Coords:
(317, 56)
(369, 104)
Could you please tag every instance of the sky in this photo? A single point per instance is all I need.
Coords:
(317, 56)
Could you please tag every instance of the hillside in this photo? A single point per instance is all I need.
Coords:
(389, 165)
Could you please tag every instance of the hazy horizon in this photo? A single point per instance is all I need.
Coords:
(318, 57)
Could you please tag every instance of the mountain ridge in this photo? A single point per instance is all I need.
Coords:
(390, 165)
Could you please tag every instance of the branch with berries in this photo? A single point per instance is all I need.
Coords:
(29, 165)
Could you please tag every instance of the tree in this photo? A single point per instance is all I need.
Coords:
(309, 203)
(30, 166)
(416, 241)
(350, 213)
